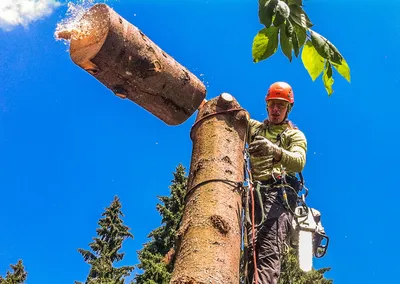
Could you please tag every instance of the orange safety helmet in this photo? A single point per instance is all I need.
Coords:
(280, 91)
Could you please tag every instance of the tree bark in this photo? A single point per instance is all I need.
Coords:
(126, 61)
(209, 237)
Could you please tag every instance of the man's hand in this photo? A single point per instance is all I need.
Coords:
(261, 146)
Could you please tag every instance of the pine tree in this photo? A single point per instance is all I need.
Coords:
(156, 257)
(17, 276)
(110, 236)
(292, 274)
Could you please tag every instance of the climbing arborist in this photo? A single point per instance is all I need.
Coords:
(277, 151)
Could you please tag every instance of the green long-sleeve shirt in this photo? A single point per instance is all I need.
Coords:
(293, 144)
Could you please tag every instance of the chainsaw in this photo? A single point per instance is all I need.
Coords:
(309, 236)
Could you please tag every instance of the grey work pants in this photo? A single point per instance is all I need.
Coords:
(271, 236)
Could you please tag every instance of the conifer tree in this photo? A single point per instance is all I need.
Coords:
(105, 248)
(292, 274)
(17, 276)
(156, 257)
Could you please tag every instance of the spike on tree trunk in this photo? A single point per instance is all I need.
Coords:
(132, 66)
(209, 237)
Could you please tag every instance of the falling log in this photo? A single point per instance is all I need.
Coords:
(126, 61)
(209, 237)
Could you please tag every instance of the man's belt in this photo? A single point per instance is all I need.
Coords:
(291, 180)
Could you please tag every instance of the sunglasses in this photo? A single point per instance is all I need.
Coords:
(279, 105)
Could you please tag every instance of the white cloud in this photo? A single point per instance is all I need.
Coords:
(23, 12)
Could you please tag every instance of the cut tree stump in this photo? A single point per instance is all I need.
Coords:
(209, 237)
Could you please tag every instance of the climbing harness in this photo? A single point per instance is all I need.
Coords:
(305, 218)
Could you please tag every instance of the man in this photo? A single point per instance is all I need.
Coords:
(277, 152)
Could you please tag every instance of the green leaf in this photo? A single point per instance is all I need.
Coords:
(300, 17)
(295, 43)
(279, 20)
(328, 79)
(325, 48)
(266, 11)
(298, 38)
(289, 29)
(312, 61)
(343, 69)
(301, 34)
(286, 43)
(265, 43)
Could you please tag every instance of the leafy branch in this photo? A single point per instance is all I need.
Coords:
(287, 24)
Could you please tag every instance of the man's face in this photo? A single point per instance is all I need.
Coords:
(277, 110)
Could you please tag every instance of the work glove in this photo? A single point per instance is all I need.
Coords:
(261, 146)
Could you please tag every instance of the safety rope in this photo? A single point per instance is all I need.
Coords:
(253, 234)
(261, 205)
(214, 114)
(249, 181)
(238, 184)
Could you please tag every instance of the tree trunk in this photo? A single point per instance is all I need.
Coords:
(210, 233)
(125, 60)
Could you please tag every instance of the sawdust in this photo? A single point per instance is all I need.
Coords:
(73, 26)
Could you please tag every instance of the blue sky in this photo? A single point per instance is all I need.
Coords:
(68, 145)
